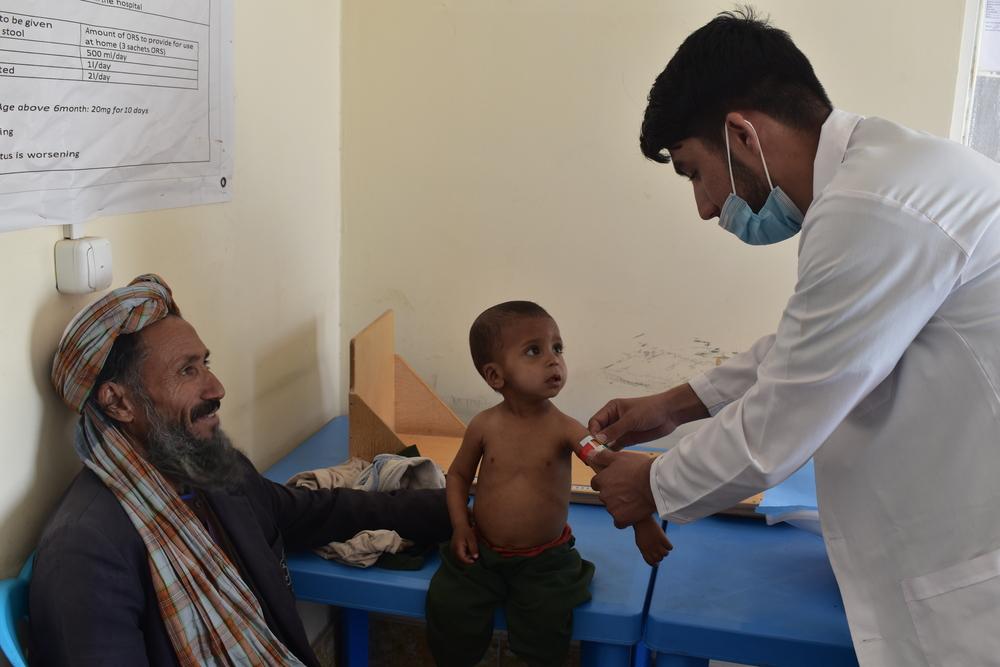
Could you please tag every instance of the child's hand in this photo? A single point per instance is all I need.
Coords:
(464, 545)
(651, 540)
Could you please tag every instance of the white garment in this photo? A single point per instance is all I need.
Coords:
(886, 365)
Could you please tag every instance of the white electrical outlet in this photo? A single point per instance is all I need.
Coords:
(83, 265)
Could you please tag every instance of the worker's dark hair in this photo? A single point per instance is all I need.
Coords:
(485, 333)
(737, 61)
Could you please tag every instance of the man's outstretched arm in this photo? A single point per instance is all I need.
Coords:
(310, 519)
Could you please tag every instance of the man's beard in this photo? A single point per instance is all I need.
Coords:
(211, 464)
(752, 188)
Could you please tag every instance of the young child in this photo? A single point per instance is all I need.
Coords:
(518, 551)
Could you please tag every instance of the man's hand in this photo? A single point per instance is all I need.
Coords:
(623, 486)
(464, 545)
(627, 421)
(652, 541)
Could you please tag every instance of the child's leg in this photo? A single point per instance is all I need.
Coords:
(544, 589)
(460, 605)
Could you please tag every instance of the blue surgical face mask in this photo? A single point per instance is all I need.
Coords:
(778, 219)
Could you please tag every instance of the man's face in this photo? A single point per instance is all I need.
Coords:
(705, 166)
(177, 381)
(176, 407)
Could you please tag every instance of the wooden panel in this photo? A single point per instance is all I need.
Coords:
(368, 435)
(418, 408)
(373, 368)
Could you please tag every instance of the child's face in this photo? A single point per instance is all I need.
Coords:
(531, 362)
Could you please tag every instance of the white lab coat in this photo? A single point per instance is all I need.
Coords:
(886, 366)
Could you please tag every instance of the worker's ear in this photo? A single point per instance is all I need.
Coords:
(116, 402)
(742, 141)
(493, 375)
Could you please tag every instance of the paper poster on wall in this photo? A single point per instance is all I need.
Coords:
(989, 50)
(113, 106)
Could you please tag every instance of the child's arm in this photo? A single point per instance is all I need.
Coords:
(458, 482)
(649, 536)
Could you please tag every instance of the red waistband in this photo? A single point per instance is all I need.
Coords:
(563, 538)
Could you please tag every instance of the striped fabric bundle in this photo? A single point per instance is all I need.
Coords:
(210, 613)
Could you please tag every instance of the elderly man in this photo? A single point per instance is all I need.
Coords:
(169, 547)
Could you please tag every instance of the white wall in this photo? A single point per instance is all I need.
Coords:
(259, 277)
(491, 152)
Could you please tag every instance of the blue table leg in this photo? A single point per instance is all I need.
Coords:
(664, 660)
(354, 637)
(593, 654)
(641, 656)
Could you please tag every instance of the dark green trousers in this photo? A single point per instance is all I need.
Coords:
(538, 594)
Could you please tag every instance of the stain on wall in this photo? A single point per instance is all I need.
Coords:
(648, 366)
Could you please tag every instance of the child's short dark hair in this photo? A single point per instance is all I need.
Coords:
(484, 336)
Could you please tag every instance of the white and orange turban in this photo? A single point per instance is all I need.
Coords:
(88, 339)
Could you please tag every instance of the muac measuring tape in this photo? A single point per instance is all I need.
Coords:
(589, 447)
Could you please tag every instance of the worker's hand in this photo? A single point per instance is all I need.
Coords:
(627, 421)
(623, 485)
(464, 545)
(651, 540)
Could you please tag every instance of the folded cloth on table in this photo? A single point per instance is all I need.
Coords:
(365, 548)
(388, 472)
(334, 477)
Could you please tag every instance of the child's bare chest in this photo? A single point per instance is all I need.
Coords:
(513, 449)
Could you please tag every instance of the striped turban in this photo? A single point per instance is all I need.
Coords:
(88, 339)
(211, 615)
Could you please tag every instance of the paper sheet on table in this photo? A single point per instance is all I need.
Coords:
(794, 501)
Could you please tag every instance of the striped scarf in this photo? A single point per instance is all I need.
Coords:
(210, 614)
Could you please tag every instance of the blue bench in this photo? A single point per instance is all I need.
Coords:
(609, 626)
(745, 592)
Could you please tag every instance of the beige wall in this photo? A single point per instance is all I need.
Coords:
(258, 277)
(490, 153)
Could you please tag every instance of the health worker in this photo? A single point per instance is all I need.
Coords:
(885, 365)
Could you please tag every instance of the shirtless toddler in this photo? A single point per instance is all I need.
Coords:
(519, 550)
